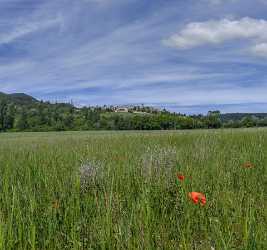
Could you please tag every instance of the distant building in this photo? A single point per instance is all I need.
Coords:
(122, 110)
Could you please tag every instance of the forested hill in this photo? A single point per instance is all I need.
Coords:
(18, 98)
(240, 116)
(21, 112)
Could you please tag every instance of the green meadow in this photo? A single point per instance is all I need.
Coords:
(119, 190)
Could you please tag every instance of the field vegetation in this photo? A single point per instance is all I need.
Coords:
(130, 190)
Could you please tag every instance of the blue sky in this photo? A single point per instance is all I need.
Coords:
(185, 55)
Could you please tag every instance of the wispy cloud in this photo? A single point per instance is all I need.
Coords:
(218, 2)
(27, 29)
(110, 52)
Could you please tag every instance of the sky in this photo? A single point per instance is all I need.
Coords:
(188, 56)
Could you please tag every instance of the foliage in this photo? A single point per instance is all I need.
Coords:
(20, 112)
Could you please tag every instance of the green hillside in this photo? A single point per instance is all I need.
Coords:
(18, 98)
(21, 112)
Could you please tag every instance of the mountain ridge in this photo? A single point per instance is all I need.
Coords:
(18, 98)
(25, 99)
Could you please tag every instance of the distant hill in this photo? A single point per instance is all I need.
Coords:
(22, 112)
(240, 116)
(22, 99)
(18, 98)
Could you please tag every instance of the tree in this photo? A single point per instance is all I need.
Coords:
(10, 117)
(248, 122)
(21, 122)
(213, 119)
(3, 114)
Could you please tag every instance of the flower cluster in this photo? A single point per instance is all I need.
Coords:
(200, 198)
(195, 197)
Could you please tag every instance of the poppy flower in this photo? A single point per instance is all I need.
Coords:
(248, 165)
(197, 198)
(180, 177)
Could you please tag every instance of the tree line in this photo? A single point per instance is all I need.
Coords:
(44, 116)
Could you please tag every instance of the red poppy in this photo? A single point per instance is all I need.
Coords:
(197, 197)
(180, 177)
(248, 165)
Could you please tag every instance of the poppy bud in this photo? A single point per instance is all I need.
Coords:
(180, 177)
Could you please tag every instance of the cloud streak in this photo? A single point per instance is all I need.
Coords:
(29, 28)
(111, 52)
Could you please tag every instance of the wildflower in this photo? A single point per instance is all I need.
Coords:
(180, 177)
(248, 165)
(197, 197)
(55, 204)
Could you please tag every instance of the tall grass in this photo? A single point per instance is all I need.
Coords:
(118, 190)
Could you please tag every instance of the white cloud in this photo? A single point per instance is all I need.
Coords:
(216, 32)
(119, 56)
(217, 2)
(97, 1)
(28, 28)
(104, 2)
(220, 2)
(260, 49)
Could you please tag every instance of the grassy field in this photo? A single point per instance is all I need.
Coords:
(119, 190)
